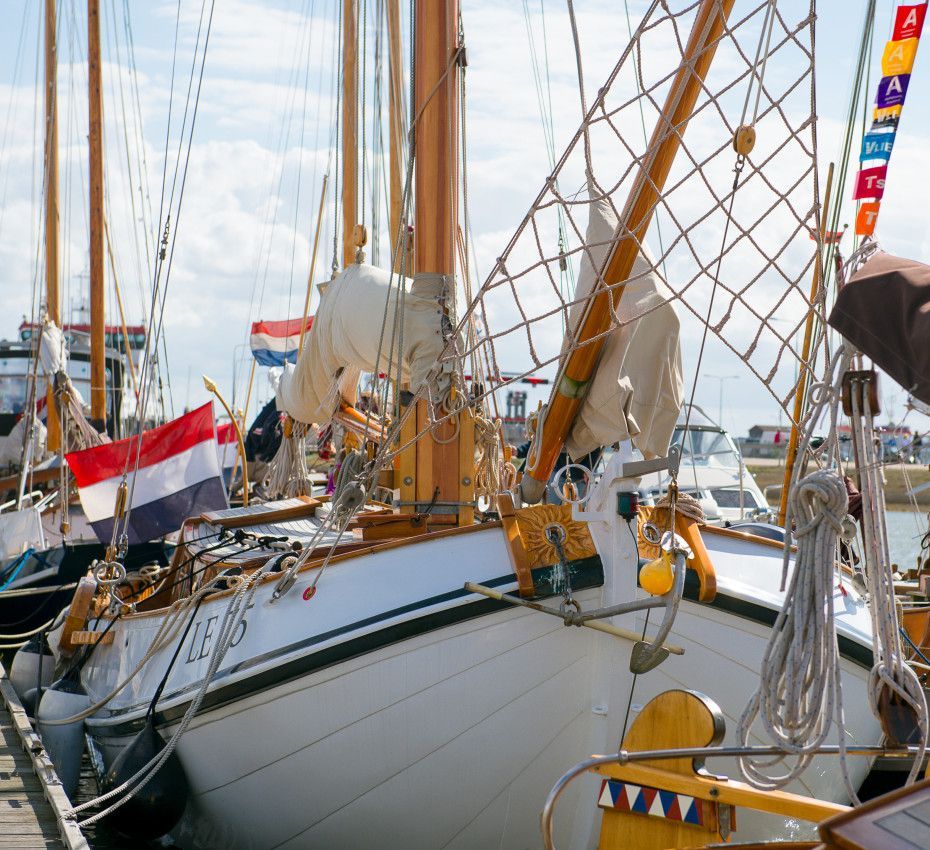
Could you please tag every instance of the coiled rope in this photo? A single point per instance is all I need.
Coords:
(800, 691)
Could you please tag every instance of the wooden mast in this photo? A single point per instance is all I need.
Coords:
(444, 469)
(395, 121)
(349, 130)
(98, 388)
(800, 392)
(52, 296)
(569, 391)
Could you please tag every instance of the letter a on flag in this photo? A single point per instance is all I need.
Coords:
(898, 57)
(909, 21)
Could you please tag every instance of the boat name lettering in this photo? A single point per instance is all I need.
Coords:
(205, 632)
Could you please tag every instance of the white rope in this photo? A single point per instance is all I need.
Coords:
(238, 604)
(288, 474)
(890, 672)
(800, 690)
(171, 624)
(30, 633)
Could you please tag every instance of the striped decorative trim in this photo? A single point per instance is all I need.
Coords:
(626, 797)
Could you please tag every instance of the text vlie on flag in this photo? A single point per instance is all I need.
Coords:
(276, 343)
(178, 476)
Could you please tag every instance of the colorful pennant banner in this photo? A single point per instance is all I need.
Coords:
(897, 63)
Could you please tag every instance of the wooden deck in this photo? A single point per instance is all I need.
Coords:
(32, 801)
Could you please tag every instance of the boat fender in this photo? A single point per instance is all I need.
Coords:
(24, 671)
(30, 700)
(154, 810)
(64, 743)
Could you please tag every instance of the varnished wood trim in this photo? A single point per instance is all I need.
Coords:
(518, 557)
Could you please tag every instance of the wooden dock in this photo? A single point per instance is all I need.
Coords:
(32, 802)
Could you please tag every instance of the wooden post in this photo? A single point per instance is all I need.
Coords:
(349, 129)
(396, 121)
(800, 393)
(444, 471)
(316, 244)
(98, 386)
(569, 391)
(52, 296)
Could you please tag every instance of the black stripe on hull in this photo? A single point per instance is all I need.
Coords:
(852, 651)
(585, 573)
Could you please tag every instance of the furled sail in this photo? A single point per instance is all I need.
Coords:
(361, 319)
(54, 359)
(636, 391)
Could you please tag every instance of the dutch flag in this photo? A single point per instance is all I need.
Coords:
(178, 477)
(227, 448)
(275, 343)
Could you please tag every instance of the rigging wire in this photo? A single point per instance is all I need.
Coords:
(166, 255)
(11, 113)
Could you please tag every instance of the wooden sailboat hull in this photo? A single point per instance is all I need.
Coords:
(395, 710)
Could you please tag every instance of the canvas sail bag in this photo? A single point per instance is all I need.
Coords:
(884, 310)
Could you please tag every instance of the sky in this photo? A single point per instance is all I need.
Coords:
(263, 140)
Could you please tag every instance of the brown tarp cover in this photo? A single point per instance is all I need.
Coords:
(884, 310)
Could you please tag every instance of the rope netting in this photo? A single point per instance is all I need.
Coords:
(739, 234)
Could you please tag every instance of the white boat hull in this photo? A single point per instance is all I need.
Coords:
(451, 733)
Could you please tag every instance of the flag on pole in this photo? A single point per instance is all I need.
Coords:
(227, 448)
(275, 343)
(178, 476)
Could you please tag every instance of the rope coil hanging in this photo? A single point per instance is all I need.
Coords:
(800, 692)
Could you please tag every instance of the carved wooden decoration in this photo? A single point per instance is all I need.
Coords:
(540, 552)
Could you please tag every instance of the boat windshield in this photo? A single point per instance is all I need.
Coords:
(706, 448)
(14, 391)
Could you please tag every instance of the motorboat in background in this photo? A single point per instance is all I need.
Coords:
(711, 470)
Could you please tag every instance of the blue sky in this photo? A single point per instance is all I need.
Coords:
(262, 145)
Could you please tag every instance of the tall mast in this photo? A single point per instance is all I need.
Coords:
(98, 391)
(52, 297)
(569, 392)
(444, 469)
(395, 119)
(349, 129)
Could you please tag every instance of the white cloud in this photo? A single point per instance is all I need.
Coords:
(243, 151)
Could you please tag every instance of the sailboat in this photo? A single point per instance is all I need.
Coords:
(46, 542)
(344, 673)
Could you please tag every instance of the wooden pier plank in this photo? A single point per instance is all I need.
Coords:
(32, 802)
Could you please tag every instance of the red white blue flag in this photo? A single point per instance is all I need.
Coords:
(276, 343)
(177, 477)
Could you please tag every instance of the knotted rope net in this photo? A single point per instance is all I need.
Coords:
(733, 239)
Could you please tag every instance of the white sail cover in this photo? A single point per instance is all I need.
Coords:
(52, 352)
(637, 389)
(354, 322)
